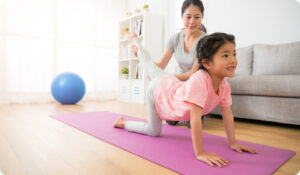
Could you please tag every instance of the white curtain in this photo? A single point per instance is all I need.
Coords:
(41, 38)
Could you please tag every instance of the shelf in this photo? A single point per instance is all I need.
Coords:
(149, 26)
(131, 80)
(123, 41)
(123, 59)
(128, 59)
(138, 15)
(134, 59)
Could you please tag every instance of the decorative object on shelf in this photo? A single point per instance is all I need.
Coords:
(128, 13)
(124, 73)
(137, 10)
(126, 29)
(146, 7)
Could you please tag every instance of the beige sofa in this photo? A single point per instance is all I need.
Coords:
(267, 83)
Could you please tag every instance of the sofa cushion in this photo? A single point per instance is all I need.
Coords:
(276, 59)
(245, 60)
(266, 85)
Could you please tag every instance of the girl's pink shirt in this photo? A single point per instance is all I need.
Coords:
(172, 96)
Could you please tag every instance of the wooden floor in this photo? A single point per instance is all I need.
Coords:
(32, 143)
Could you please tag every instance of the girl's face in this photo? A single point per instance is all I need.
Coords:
(224, 61)
(192, 18)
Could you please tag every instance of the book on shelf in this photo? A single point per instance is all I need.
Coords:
(129, 51)
(124, 52)
(137, 27)
(138, 74)
(141, 71)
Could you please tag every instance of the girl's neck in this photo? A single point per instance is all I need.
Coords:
(216, 81)
(191, 35)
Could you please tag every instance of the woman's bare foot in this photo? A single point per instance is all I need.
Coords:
(129, 36)
(120, 123)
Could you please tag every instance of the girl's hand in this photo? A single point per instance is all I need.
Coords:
(212, 159)
(240, 148)
(134, 50)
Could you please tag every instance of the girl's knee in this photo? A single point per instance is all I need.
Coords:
(154, 130)
(154, 133)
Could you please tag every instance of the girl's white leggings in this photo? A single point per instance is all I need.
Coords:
(153, 125)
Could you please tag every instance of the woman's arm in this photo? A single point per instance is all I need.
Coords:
(196, 131)
(164, 60)
(185, 76)
(228, 121)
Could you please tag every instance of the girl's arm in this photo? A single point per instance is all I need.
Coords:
(228, 121)
(196, 132)
(185, 76)
(196, 128)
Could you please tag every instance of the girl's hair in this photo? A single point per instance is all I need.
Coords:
(187, 3)
(209, 45)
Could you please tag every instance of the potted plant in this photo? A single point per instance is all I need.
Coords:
(128, 13)
(146, 7)
(124, 73)
(126, 29)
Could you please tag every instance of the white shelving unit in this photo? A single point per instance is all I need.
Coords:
(148, 27)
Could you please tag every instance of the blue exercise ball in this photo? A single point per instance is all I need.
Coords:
(68, 88)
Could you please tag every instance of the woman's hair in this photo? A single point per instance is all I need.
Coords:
(203, 28)
(209, 45)
(187, 3)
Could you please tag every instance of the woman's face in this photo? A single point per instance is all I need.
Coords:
(192, 18)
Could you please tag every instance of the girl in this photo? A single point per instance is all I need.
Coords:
(183, 43)
(168, 98)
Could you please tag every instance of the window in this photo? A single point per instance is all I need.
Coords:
(40, 39)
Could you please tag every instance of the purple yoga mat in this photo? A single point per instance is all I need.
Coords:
(174, 149)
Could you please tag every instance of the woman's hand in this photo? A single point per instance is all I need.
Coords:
(240, 148)
(212, 159)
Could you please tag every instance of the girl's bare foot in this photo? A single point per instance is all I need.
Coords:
(120, 123)
(129, 35)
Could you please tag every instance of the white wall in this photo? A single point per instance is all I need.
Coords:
(255, 21)
(251, 21)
